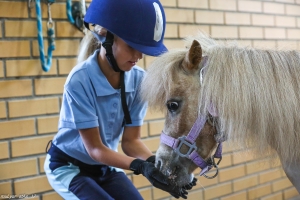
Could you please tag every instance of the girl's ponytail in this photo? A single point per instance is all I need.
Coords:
(87, 46)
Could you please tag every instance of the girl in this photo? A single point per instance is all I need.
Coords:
(101, 105)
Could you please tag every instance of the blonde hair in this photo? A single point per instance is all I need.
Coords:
(90, 43)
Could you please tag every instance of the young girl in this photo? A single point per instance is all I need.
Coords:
(101, 105)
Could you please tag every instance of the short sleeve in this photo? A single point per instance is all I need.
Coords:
(78, 111)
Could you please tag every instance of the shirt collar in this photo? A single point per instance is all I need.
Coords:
(99, 81)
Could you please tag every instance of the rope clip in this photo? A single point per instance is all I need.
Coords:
(50, 21)
(30, 4)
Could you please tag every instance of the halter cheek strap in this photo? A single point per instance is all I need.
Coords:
(190, 141)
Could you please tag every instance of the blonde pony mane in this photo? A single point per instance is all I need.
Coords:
(255, 92)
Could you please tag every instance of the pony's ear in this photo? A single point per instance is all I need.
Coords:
(193, 57)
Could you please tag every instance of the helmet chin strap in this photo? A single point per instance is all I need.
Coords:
(107, 44)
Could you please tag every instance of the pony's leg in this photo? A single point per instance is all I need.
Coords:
(292, 171)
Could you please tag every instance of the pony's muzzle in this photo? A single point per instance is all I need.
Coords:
(168, 170)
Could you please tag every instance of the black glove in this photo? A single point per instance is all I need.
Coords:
(188, 186)
(151, 159)
(191, 184)
(156, 178)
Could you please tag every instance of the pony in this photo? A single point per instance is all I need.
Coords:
(215, 91)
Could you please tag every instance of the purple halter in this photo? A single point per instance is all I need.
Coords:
(190, 141)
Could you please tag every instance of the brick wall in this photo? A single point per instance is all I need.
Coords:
(30, 98)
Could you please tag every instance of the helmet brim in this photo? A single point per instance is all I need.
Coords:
(148, 50)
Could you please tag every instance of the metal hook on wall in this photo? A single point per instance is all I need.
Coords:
(75, 13)
(30, 4)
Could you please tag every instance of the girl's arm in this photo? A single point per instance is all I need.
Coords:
(99, 152)
(132, 144)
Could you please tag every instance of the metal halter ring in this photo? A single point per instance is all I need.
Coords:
(216, 174)
(212, 163)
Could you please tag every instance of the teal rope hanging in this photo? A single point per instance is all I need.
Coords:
(69, 12)
(50, 33)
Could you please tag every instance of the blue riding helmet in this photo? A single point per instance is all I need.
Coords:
(140, 23)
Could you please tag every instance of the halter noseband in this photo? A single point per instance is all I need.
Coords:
(190, 141)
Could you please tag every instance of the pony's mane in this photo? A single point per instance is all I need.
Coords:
(255, 91)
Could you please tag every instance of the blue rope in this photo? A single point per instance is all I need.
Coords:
(69, 12)
(51, 45)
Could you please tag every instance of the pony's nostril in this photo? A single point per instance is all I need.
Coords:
(158, 164)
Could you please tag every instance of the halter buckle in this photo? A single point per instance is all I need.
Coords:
(182, 140)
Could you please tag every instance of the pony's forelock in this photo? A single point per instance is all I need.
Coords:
(157, 81)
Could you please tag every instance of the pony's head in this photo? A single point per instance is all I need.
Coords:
(252, 94)
(172, 84)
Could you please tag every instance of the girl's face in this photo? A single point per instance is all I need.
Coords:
(126, 57)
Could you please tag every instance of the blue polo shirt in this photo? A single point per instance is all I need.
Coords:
(90, 101)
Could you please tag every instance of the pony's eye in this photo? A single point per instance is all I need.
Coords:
(172, 106)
